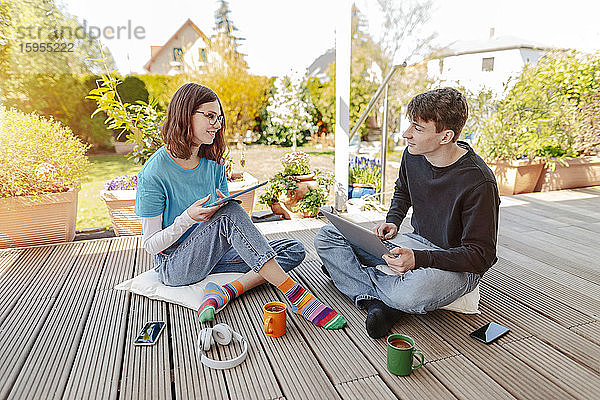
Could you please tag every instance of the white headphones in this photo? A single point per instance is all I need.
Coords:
(221, 334)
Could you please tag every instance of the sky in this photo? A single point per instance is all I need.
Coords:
(284, 35)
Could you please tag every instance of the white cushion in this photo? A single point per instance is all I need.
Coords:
(466, 304)
(148, 284)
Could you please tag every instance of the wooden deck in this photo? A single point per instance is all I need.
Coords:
(56, 300)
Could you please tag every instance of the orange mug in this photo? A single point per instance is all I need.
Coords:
(274, 319)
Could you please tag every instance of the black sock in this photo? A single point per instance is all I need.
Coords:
(325, 271)
(380, 318)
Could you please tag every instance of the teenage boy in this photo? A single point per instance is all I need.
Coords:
(455, 203)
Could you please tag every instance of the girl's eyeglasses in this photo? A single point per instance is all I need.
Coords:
(212, 117)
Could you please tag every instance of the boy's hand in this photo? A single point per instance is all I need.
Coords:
(385, 230)
(200, 213)
(404, 262)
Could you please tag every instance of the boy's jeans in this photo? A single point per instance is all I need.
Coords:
(416, 292)
(228, 242)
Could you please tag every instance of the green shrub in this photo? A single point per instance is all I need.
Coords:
(133, 89)
(551, 112)
(38, 155)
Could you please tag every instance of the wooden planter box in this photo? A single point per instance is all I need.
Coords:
(38, 220)
(580, 172)
(516, 177)
(120, 204)
(125, 222)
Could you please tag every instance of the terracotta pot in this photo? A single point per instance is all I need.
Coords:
(516, 177)
(38, 220)
(580, 172)
(306, 182)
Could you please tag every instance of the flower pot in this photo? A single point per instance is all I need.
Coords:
(514, 177)
(247, 199)
(358, 190)
(580, 172)
(124, 147)
(289, 201)
(120, 204)
(38, 220)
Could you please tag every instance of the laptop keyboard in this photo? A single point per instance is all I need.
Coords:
(389, 245)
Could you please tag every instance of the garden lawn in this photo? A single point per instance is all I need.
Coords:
(92, 211)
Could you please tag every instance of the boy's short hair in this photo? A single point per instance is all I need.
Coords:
(446, 107)
(177, 130)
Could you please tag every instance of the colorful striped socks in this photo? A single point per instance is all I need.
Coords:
(306, 304)
(216, 296)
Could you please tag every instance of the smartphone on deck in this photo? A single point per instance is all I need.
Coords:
(489, 332)
(149, 333)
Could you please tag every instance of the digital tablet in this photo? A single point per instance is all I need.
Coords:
(233, 196)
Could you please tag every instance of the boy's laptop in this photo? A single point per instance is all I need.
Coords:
(368, 240)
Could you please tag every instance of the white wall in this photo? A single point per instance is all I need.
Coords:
(190, 42)
(466, 69)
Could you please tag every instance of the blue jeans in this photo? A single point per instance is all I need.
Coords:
(417, 291)
(228, 242)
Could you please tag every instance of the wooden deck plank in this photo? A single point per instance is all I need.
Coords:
(572, 298)
(466, 380)
(513, 375)
(54, 353)
(191, 380)
(146, 370)
(548, 271)
(365, 388)
(536, 299)
(95, 372)
(8, 258)
(589, 331)
(541, 327)
(289, 355)
(18, 278)
(573, 377)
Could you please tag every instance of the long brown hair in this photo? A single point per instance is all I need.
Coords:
(177, 130)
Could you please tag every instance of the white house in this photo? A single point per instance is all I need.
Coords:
(186, 50)
(490, 63)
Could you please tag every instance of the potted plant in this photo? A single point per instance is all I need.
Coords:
(119, 196)
(41, 164)
(298, 191)
(546, 124)
(364, 175)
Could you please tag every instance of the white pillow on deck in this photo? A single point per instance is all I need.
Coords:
(148, 284)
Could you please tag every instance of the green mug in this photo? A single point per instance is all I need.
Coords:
(400, 353)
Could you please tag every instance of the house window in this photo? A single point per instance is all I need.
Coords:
(487, 64)
(177, 54)
(203, 55)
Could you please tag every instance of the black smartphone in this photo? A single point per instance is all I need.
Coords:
(489, 332)
(149, 333)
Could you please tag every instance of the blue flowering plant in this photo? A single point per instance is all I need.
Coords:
(364, 171)
(122, 183)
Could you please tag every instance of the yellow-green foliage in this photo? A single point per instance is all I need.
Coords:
(38, 155)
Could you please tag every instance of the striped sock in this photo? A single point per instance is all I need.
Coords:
(216, 296)
(311, 308)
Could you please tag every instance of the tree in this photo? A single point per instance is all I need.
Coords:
(224, 44)
(290, 113)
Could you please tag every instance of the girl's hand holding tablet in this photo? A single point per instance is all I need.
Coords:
(200, 213)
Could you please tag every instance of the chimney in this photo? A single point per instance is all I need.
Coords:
(492, 31)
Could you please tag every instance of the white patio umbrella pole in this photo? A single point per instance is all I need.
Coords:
(384, 143)
(342, 102)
